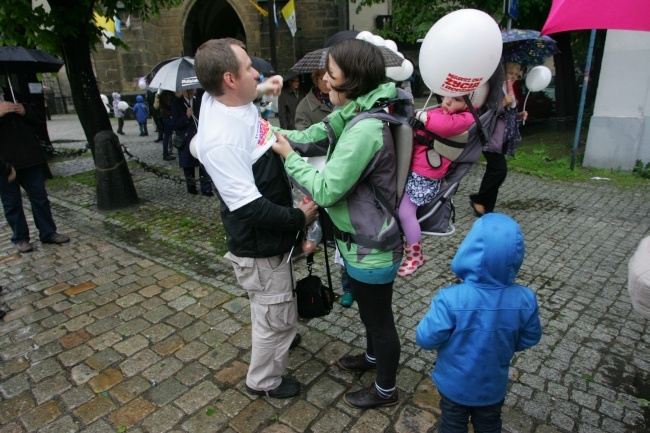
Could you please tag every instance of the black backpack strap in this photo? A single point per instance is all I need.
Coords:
(483, 133)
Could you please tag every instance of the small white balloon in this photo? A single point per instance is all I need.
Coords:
(378, 41)
(405, 72)
(366, 36)
(393, 72)
(538, 78)
(142, 83)
(193, 149)
(122, 105)
(391, 45)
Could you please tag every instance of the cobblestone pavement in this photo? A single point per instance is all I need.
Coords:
(111, 333)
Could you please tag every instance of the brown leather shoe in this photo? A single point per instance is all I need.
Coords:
(356, 363)
(367, 398)
(24, 247)
(57, 238)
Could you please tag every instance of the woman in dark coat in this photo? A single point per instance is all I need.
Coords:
(185, 115)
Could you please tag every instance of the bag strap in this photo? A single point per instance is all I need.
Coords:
(483, 133)
(327, 261)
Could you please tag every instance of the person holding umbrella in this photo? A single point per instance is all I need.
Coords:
(185, 114)
(20, 148)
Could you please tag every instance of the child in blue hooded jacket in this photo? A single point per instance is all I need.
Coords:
(479, 324)
(141, 111)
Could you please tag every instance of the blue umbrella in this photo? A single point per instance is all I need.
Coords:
(527, 47)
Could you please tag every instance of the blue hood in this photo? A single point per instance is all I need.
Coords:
(492, 252)
(139, 98)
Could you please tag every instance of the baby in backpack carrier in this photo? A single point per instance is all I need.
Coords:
(451, 118)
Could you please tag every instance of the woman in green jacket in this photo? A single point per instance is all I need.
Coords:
(368, 237)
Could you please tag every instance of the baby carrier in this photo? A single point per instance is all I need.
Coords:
(438, 216)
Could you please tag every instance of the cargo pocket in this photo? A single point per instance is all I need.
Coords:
(246, 272)
(277, 312)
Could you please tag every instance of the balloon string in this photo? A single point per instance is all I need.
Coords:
(524, 109)
(426, 104)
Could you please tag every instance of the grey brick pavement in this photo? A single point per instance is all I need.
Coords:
(116, 332)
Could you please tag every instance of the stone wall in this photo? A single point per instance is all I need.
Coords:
(167, 36)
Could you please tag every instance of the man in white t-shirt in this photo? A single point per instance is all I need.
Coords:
(233, 143)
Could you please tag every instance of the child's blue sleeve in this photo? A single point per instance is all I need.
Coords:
(436, 326)
(531, 332)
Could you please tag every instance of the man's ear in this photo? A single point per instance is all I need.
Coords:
(229, 79)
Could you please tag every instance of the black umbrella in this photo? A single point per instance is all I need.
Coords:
(156, 68)
(26, 60)
(262, 66)
(316, 59)
(341, 36)
(29, 60)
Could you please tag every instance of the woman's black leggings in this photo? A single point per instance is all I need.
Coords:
(375, 308)
(495, 173)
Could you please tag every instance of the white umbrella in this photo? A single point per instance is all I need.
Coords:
(176, 75)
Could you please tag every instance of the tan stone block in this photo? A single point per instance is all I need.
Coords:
(106, 380)
(150, 291)
(74, 339)
(80, 288)
(132, 413)
(426, 396)
(41, 415)
(168, 346)
(56, 289)
(9, 409)
(18, 313)
(229, 376)
(172, 281)
(94, 409)
(253, 415)
(300, 415)
(9, 258)
(413, 419)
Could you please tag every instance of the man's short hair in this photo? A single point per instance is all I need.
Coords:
(213, 59)
(362, 64)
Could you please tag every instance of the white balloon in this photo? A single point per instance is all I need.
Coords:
(538, 78)
(405, 72)
(142, 83)
(193, 149)
(378, 41)
(393, 72)
(391, 45)
(366, 36)
(454, 61)
(122, 105)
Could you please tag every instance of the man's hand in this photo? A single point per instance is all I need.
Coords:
(272, 86)
(281, 146)
(12, 175)
(189, 112)
(310, 210)
(10, 107)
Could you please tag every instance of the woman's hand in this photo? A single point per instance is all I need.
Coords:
(523, 115)
(509, 99)
(281, 146)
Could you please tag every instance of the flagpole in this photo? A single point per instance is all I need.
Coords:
(270, 9)
(583, 97)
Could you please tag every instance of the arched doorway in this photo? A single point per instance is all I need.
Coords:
(210, 19)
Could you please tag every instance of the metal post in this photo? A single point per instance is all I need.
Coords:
(271, 10)
(583, 97)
